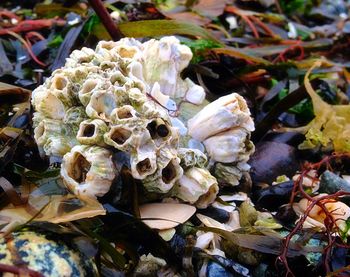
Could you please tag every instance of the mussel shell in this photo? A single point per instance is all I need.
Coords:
(216, 213)
(274, 196)
(273, 159)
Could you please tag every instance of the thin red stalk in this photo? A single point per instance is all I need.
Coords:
(251, 25)
(106, 19)
(31, 25)
(29, 49)
(329, 221)
(236, 11)
(282, 57)
(31, 35)
(263, 26)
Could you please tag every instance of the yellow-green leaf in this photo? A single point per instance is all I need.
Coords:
(163, 27)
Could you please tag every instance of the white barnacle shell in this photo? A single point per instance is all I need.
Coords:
(162, 132)
(127, 136)
(128, 48)
(168, 172)
(88, 170)
(116, 98)
(45, 129)
(230, 146)
(77, 57)
(197, 186)
(192, 157)
(54, 137)
(91, 132)
(172, 58)
(93, 83)
(61, 86)
(47, 103)
(123, 114)
(143, 162)
(221, 115)
(75, 115)
(137, 98)
(59, 145)
(37, 118)
(101, 104)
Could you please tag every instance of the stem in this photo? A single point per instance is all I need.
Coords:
(106, 19)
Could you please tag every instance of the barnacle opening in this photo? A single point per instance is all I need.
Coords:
(88, 86)
(109, 45)
(79, 169)
(168, 173)
(162, 130)
(120, 135)
(124, 112)
(157, 128)
(117, 78)
(127, 52)
(59, 82)
(144, 166)
(107, 66)
(88, 130)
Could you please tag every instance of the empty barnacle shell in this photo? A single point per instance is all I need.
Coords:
(143, 162)
(62, 87)
(191, 157)
(227, 112)
(91, 132)
(127, 136)
(128, 48)
(88, 170)
(123, 114)
(197, 186)
(168, 172)
(230, 146)
(167, 215)
(160, 131)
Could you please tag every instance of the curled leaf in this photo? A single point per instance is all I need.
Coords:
(330, 125)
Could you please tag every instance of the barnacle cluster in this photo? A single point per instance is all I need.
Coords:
(114, 98)
(224, 127)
